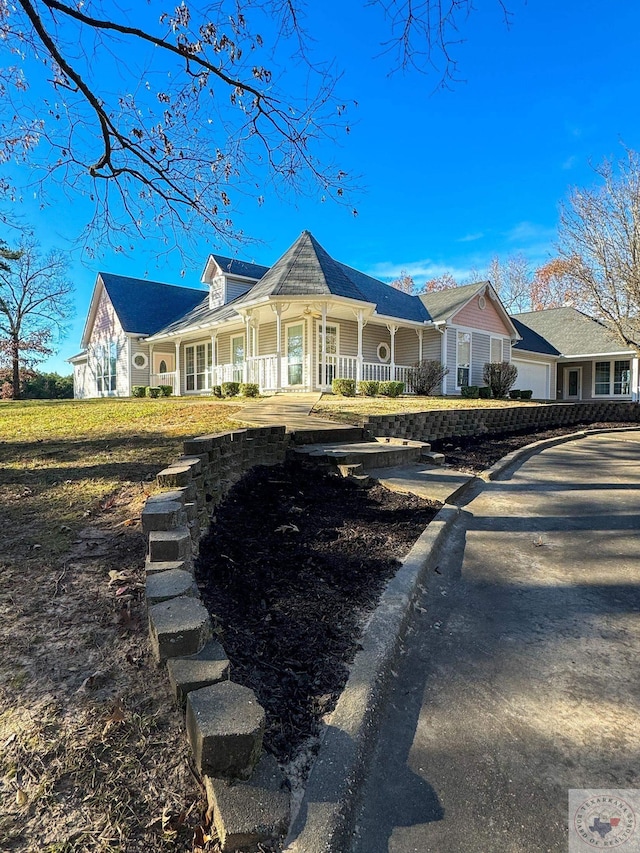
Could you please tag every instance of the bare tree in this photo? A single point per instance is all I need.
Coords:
(552, 287)
(441, 282)
(35, 303)
(599, 242)
(512, 280)
(404, 282)
(163, 119)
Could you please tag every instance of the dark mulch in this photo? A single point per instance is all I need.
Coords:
(291, 567)
(475, 454)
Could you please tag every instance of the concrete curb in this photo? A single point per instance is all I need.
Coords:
(328, 807)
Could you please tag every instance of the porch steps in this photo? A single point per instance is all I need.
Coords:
(353, 458)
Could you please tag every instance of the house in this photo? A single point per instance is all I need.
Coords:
(296, 325)
(590, 363)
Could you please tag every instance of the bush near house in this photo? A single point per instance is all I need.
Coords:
(152, 391)
(138, 391)
(484, 392)
(230, 389)
(344, 387)
(500, 377)
(216, 391)
(249, 389)
(471, 392)
(526, 395)
(427, 375)
(391, 389)
(166, 390)
(368, 387)
(514, 394)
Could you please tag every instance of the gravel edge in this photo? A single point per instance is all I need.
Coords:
(327, 812)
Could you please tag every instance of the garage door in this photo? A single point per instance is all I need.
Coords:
(533, 375)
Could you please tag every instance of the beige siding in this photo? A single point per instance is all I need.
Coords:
(406, 346)
(587, 378)
(267, 344)
(452, 355)
(371, 337)
(432, 345)
(140, 376)
(486, 318)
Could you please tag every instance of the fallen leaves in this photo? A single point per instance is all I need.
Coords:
(116, 717)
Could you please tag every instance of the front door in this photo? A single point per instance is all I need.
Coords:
(331, 353)
(295, 353)
(573, 383)
(237, 357)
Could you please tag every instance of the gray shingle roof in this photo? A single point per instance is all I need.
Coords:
(571, 332)
(443, 304)
(143, 307)
(243, 268)
(532, 341)
(202, 316)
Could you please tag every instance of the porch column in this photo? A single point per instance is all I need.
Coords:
(278, 310)
(214, 357)
(247, 348)
(359, 359)
(323, 347)
(392, 331)
(178, 384)
(420, 333)
(151, 370)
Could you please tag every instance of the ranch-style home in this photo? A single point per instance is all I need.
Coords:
(296, 326)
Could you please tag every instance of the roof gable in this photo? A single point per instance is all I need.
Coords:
(242, 269)
(444, 305)
(143, 307)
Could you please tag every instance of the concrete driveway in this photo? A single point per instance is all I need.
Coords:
(521, 672)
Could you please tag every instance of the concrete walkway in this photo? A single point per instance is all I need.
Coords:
(292, 410)
(522, 668)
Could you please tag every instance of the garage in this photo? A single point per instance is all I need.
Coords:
(535, 375)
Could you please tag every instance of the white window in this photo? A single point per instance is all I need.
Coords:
(612, 378)
(384, 352)
(198, 364)
(496, 350)
(333, 337)
(237, 356)
(463, 358)
(294, 335)
(106, 367)
(140, 360)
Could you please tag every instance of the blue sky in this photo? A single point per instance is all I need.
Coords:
(449, 178)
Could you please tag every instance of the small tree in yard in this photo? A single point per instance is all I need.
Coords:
(500, 377)
(426, 376)
(35, 303)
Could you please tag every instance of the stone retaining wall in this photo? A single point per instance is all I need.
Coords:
(224, 721)
(450, 423)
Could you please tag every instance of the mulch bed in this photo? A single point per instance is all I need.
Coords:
(293, 564)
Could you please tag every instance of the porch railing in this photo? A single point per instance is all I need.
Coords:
(165, 379)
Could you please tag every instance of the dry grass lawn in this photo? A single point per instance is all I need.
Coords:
(353, 409)
(92, 753)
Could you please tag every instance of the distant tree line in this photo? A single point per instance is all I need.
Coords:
(36, 386)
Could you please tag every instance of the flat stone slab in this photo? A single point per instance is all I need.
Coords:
(162, 586)
(162, 515)
(225, 725)
(178, 628)
(247, 814)
(439, 483)
(171, 495)
(371, 454)
(207, 667)
(153, 566)
(175, 475)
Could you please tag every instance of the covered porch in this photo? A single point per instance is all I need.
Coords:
(294, 346)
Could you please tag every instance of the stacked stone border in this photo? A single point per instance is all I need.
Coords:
(450, 423)
(246, 793)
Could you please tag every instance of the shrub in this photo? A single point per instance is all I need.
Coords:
(368, 387)
(484, 392)
(471, 392)
(152, 391)
(216, 390)
(46, 386)
(165, 390)
(6, 391)
(391, 389)
(344, 387)
(426, 376)
(250, 389)
(515, 393)
(500, 376)
(138, 390)
(526, 395)
(230, 389)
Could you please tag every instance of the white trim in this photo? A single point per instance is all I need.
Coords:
(382, 360)
(305, 335)
(318, 328)
(206, 343)
(132, 359)
(611, 395)
(599, 356)
(469, 332)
